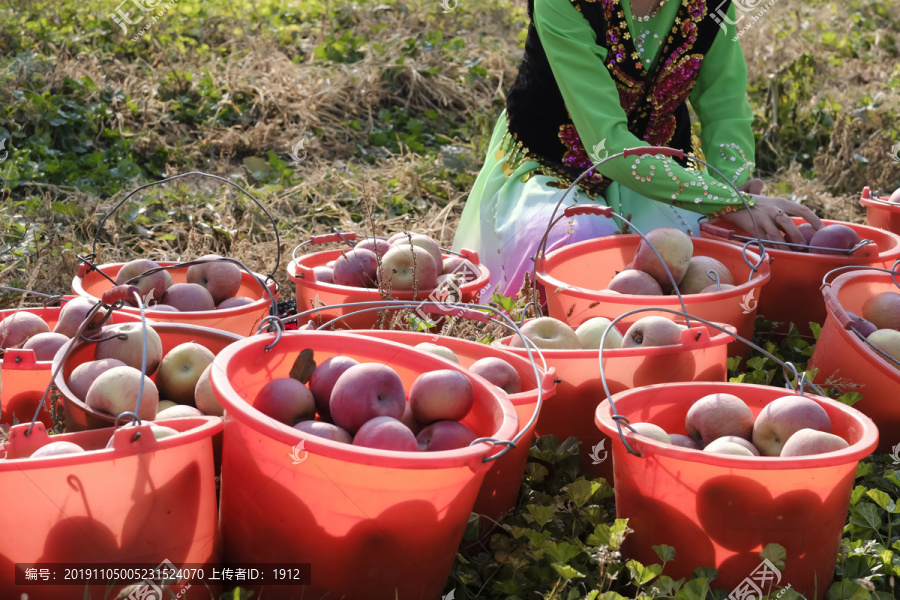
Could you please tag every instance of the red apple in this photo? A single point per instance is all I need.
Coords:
(409, 420)
(204, 398)
(161, 308)
(179, 411)
(808, 231)
(715, 288)
(386, 433)
(721, 444)
(684, 441)
(153, 287)
(783, 417)
(376, 245)
(189, 297)
(356, 268)
(895, 197)
(57, 449)
(404, 267)
(883, 310)
(863, 326)
(19, 326)
(445, 435)
(427, 244)
(323, 378)
(634, 282)
(159, 432)
(810, 441)
(128, 345)
(590, 333)
(833, 239)
(654, 432)
(675, 248)
(886, 340)
(285, 400)
(323, 274)
(499, 372)
(547, 333)
(222, 279)
(459, 265)
(651, 331)
(73, 314)
(116, 391)
(325, 430)
(697, 278)
(234, 302)
(441, 395)
(718, 415)
(438, 351)
(180, 370)
(83, 375)
(366, 391)
(45, 345)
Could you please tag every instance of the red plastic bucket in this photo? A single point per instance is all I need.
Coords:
(580, 389)
(793, 294)
(500, 489)
(840, 355)
(242, 320)
(720, 510)
(371, 523)
(312, 294)
(880, 213)
(138, 502)
(575, 279)
(79, 416)
(25, 379)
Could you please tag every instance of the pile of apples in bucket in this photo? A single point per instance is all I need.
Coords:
(880, 323)
(210, 285)
(723, 424)
(408, 261)
(26, 330)
(364, 404)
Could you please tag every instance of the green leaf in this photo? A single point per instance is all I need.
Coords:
(665, 553)
(775, 553)
(706, 573)
(847, 590)
(641, 574)
(537, 538)
(882, 500)
(581, 490)
(541, 514)
(566, 571)
(695, 589)
(562, 552)
(863, 469)
(869, 513)
(850, 398)
(66, 208)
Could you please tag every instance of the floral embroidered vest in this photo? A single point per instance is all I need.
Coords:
(655, 101)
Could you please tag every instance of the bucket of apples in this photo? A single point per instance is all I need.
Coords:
(882, 212)
(370, 497)
(720, 470)
(29, 339)
(406, 266)
(858, 348)
(166, 365)
(211, 291)
(797, 271)
(527, 385)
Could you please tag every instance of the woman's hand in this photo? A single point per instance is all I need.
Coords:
(773, 215)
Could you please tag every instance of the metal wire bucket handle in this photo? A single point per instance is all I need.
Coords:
(607, 211)
(799, 378)
(350, 238)
(88, 260)
(729, 234)
(451, 309)
(842, 316)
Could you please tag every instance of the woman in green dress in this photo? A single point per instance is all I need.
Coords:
(602, 76)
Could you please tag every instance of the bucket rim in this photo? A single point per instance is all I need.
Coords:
(260, 303)
(762, 275)
(161, 327)
(518, 399)
(720, 339)
(856, 277)
(881, 203)
(191, 429)
(864, 231)
(293, 267)
(860, 449)
(244, 413)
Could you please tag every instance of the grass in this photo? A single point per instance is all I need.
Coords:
(394, 102)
